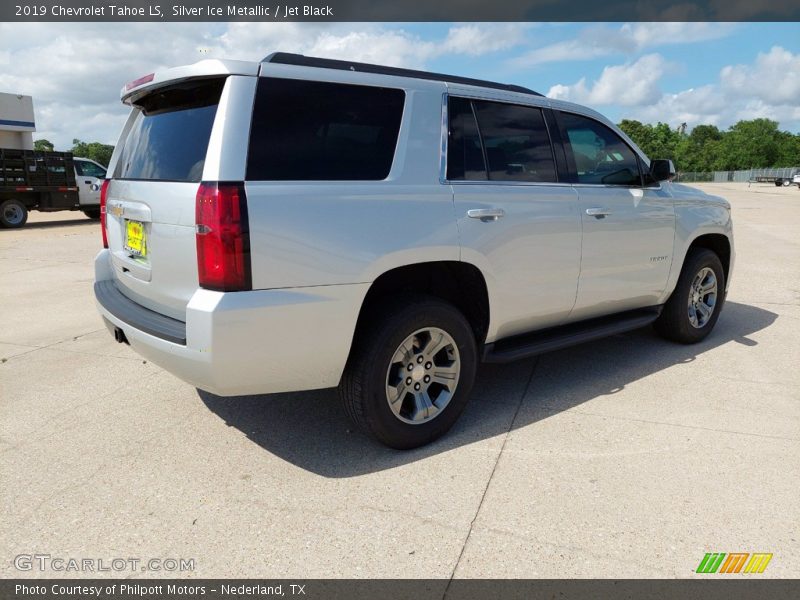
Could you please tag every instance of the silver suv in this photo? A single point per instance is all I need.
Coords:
(303, 223)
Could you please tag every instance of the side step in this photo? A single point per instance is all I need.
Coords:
(563, 336)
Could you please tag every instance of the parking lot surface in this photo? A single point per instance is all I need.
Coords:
(626, 457)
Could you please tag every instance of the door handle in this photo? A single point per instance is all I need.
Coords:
(598, 213)
(89, 181)
(486, 214)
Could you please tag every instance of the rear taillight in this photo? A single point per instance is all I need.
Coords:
(103, 194)
(223, 237)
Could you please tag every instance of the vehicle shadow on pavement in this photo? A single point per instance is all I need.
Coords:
(310, 429)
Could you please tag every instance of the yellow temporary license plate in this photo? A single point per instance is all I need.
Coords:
(135, 238)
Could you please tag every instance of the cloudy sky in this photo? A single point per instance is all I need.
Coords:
(696, 73)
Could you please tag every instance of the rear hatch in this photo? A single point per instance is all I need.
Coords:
(150, 202)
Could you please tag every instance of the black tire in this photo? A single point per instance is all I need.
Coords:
(92, 213)
(13, 214)
(674, 323)
(363, 388)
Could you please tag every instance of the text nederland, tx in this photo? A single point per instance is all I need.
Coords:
(135, 589)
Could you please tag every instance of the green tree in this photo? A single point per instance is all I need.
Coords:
(700, 150)
(753, 144)
(95, 150)
(750, 144)
(43, 145)
(656, 141)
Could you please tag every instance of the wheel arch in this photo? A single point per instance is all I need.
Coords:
(719, 244)
(460, 283)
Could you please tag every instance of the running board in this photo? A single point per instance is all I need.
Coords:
(563, 336)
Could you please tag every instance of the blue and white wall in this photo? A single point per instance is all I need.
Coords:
(16, 121)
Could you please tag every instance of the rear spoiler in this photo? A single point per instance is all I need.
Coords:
(205, 68)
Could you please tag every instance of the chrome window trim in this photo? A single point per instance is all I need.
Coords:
(445, 137)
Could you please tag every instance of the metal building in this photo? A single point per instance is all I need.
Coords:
(17, 122)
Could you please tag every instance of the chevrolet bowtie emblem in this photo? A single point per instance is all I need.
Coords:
(116, 210)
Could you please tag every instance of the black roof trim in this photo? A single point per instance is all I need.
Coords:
(286, 58)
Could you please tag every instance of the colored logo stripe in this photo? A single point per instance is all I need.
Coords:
(713, 562)
(758, 562)
(710, 562)
(734, 562)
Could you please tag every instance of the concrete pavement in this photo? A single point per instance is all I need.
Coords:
(627, 457)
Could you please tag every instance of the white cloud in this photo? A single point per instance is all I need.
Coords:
(776, 76)
(630, 84)
(77, 96)
(481, 39)
(768, 88)
(601, 40)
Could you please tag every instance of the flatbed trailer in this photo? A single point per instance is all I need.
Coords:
(36, 180)
(778, 181)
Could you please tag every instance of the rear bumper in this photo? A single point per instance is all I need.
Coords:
(239, 343)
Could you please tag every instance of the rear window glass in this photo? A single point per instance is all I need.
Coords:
(169, 137)
(315, 131)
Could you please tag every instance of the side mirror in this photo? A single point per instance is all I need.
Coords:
(661, 169)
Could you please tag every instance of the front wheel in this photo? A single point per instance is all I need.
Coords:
(92, 213)
(411, 371)
(694, 306)
(13, 213)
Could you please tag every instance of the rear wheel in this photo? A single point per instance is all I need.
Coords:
(92, 213)
(694, 306)
(13, 213)
(411, 372)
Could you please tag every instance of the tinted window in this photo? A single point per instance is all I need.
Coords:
(600, 154)
(314, 131)
(516, 142)
(88, 169)
(169, 136)
(464, 152)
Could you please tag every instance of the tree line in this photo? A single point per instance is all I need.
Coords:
(96, 151)
(753, 144)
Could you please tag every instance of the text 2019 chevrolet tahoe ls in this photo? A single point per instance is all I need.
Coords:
(303, 223)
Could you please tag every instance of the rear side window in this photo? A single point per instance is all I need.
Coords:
(168, 139)
(511, 140)
(600, 155)
(316, 131)
(516, 141)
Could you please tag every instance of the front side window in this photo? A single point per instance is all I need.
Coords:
(88, 169)
(498, 141)
(319, 131)
(600, 155)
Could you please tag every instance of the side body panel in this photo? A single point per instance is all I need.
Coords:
(311, 233)
(627, 254)
(697, 214)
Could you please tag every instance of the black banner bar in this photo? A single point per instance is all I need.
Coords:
(716, 587)
(407, 10)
